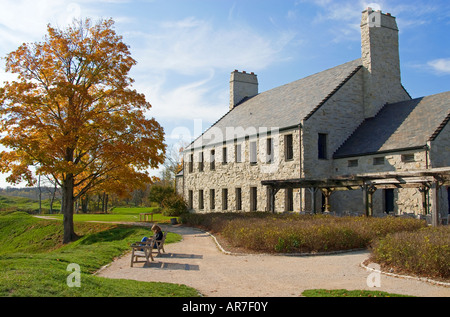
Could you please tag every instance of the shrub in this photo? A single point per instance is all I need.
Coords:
(174, 205)
(159, 192)
(425, 252)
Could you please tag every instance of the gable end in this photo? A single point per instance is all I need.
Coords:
(333, 92)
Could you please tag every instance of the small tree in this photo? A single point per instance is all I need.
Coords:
(159, 192)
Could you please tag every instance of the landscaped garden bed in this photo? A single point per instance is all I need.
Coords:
(402, 244)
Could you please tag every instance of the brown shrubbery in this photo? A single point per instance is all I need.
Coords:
(404, 244)
(424, 252)
(289, 233)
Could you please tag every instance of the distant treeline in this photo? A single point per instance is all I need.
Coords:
(31, 192)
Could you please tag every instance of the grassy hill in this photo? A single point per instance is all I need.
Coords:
(13, 203)
(33, 262)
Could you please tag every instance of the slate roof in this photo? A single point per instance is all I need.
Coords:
(281, 107)
(403, 125)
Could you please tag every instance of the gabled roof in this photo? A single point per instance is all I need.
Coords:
(403, 125)
(281, 107)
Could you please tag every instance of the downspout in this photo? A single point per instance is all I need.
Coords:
(300, 161)
(427, 166)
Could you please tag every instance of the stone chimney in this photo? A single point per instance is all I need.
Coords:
(381, 61)
(242, 85)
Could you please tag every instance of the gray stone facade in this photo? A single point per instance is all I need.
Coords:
(352, 119)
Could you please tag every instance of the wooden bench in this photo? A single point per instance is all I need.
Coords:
(160, 243)
(144, 217)
(142, 249)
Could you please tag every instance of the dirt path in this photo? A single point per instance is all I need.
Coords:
(197, 261)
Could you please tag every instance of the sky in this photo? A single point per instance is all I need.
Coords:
(186, 49)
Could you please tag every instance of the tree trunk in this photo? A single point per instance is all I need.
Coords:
(105, 203)
(67, 208)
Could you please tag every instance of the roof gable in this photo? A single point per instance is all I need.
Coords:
(402, 125)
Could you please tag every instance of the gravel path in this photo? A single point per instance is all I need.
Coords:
(197, 262)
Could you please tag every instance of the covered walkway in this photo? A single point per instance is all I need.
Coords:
(428, 182)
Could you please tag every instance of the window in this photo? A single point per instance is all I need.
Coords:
(201, 202)
(191, 199)
(212, 160)
(191, 163)
(378, 160)
(224, 198)
(238, 199)
(352, 163)
(201, 162)
(322, 146)
(289, 199)
(288, 149)
(269, 150)
(253, 156)
(253, 199)
(238, 153)
(408, 158)
(212, 199)
(224, 155)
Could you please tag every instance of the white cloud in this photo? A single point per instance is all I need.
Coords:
(179, 63)
(192, 45)
(187, 101)
(441, 66)
(26, 20)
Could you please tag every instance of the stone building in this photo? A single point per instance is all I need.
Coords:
(347, 139)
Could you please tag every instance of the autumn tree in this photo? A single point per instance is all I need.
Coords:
(72, 113)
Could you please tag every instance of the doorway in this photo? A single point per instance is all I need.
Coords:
(388, 200)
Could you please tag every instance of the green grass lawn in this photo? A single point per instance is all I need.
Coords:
(33, 262)
(118, 214)
(347, 293)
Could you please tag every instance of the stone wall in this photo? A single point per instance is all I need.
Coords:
(244, 175)
(439, 157)
(407, 200)
(440, 148)
(337, 118)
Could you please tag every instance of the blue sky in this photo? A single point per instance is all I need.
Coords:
(186, 49)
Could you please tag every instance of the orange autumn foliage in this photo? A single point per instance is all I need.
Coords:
(73, 113)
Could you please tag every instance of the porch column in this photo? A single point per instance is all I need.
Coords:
(424, 190)
(327, 193)
(313, 192)
(435, 205)
(368, 192)
(273, 191)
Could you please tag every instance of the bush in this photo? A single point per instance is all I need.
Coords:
(425, 252)
(174, 205)
(159, 192)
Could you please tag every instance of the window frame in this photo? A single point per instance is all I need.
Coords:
(322, 146)
(288, 147)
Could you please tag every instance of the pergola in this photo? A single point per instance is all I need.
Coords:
(426, 181)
